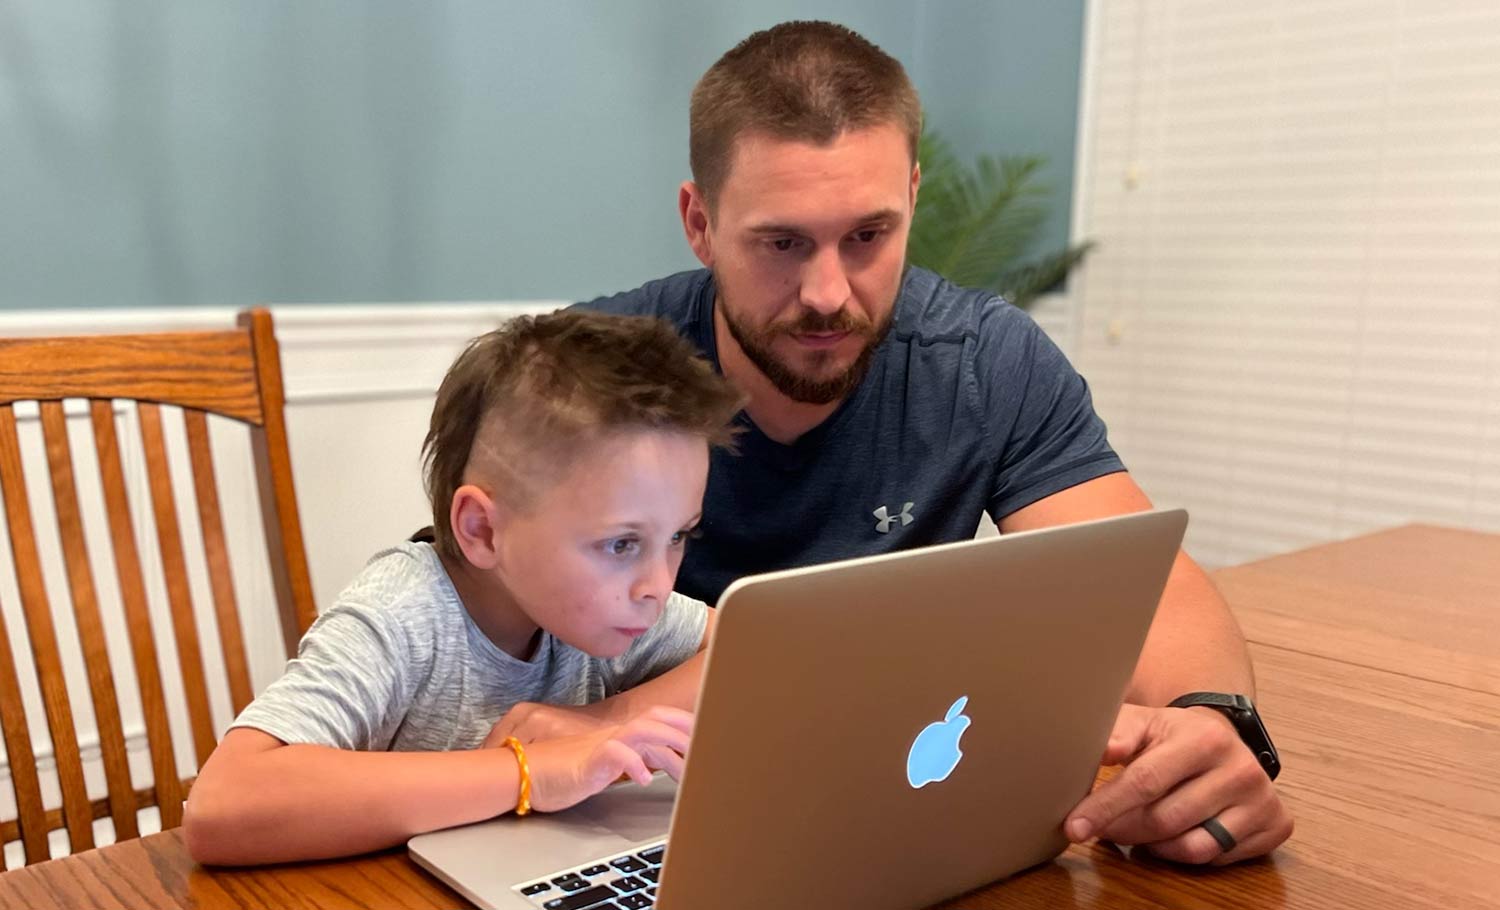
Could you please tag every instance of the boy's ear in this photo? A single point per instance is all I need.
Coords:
(476, 518)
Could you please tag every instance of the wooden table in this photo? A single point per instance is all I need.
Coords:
(1379, 672)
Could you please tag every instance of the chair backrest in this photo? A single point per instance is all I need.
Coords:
(236, 374)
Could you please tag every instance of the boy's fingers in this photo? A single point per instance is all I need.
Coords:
(664, 759)
(624, 760)
(673, 717)
(641, 733)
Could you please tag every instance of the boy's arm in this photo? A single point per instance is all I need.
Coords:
(259, 800)
(676, 688)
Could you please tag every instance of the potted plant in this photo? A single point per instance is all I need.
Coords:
(973, 225)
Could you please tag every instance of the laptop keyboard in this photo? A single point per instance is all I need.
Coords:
(625, 882)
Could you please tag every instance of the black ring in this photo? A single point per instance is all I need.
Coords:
(1222, 835)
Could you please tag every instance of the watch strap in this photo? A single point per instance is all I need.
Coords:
(1221, 700)
(1241, 713)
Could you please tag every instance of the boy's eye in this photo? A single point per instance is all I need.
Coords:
(622, 546)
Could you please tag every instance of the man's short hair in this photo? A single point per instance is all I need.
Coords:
(806, 81)
(521, 402)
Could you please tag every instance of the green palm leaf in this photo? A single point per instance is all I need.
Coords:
(972, 226)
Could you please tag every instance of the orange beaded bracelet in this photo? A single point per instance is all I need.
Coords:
(523, 802)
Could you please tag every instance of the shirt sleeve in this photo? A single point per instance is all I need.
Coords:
(346, 688)
(1039, 410)
(676, 637)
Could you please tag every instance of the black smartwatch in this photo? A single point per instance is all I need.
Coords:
(1241, 712)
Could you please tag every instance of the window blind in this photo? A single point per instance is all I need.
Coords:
(1292, 320)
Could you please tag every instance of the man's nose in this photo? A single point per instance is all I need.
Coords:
(825, 286)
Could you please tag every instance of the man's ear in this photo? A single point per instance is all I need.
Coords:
(695, 222)
(916, 181)
(476, 519)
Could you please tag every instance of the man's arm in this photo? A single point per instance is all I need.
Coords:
(1194, 643)
(1183, 766)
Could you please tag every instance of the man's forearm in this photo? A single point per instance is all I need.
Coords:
(1194, 643)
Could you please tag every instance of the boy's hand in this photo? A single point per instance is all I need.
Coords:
(532, 722)
(568, 770)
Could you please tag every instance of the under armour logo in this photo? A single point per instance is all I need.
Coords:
(886, 518)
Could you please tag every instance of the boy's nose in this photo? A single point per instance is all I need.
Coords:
(655, 583)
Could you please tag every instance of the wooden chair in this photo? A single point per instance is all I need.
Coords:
(232, 373)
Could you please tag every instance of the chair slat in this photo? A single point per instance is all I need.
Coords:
(31, 825)
(216, 554)
(86, 615)
(137, 614)
(141, 798)
(174, 569)
(43, 637)
(278, 496)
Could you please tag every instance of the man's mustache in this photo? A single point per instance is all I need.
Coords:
(812, 322)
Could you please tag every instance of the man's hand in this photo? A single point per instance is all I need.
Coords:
(1182, 765)
(532, 722)
(570, 769)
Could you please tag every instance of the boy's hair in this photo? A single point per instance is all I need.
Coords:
(808, 81)
(520, 402)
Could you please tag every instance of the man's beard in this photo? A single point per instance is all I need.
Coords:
(756, 343)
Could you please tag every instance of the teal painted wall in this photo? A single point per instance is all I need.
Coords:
(160, 153)
(1001, 78)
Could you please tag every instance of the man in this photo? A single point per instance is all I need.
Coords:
(889, 409)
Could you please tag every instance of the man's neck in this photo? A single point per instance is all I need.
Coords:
(780, 418)
(493, 610)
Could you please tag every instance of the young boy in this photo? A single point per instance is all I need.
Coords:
(534, 652)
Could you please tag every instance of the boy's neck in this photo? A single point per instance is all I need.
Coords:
(493, 610)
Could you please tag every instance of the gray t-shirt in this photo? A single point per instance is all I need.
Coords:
(397, 664)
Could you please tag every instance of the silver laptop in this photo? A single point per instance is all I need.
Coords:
(878, 733)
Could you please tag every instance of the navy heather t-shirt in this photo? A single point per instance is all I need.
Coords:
(968, 407)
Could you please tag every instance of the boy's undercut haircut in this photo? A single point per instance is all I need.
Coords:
(522, 401)
(805, 81)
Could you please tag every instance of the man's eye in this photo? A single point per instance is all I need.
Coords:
(867, 236)
(622, 546)
(783, 244)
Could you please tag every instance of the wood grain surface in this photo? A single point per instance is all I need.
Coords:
(1391, 751)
